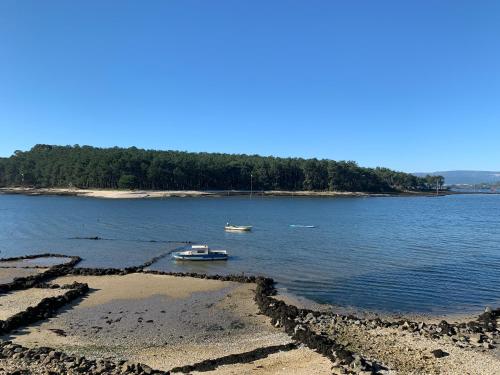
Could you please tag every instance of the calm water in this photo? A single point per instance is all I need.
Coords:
(387, 254)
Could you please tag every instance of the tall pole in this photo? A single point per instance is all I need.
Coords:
(251, 185)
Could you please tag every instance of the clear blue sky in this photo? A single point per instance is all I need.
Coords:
(411, 85)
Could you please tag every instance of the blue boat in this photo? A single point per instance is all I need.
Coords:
(200, 252)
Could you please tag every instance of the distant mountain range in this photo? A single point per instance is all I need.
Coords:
(465, 177)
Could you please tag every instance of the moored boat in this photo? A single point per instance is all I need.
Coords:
(237, 228)
(201, 252)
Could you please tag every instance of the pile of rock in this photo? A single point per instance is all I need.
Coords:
(16, 359)
(290, 318)
(483, 332)
(33, 280)
(246, 357)
(125, 271)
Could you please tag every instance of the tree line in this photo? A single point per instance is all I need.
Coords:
(133, 168)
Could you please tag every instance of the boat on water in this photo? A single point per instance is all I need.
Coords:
(200, 252)
(302, 226)
(237, 228)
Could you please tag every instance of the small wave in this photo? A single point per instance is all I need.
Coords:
(97, 238)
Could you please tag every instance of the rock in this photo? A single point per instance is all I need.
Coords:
(146, 369)
(101, 366)
(298, 327)
(236, 324)
(438, 353)
(125, 367)
(487, 345)
(476, 339)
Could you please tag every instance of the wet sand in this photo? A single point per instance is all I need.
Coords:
(136, 286)
(162, 321)
(8, 275)
(34, 262)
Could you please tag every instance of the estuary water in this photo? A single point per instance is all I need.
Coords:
(387, 254)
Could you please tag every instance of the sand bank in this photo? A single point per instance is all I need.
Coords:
(141, 286)
(141, 194)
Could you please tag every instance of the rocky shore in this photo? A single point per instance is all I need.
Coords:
(228, 324)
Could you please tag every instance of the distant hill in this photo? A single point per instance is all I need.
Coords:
(465, 177)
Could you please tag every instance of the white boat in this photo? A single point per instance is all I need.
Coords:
(302, 226)
(237, 228)
(200, 252)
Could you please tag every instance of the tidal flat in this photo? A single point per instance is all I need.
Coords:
(161, 321)
(137, 321)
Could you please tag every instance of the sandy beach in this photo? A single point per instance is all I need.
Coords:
(144, 194)
(167, 322)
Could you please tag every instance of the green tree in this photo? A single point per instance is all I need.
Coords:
(130, 168)
(127, 181)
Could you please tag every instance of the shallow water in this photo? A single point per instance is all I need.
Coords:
(35, 262)
(391, 254)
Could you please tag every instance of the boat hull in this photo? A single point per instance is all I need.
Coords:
(238, 229)
(201, 257)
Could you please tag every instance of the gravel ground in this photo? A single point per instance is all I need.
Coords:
(409, 353)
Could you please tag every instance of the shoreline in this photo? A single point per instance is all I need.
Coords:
(159, 194)
(70, 267)
(233, 324)
(40, 266)
(455, 316)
